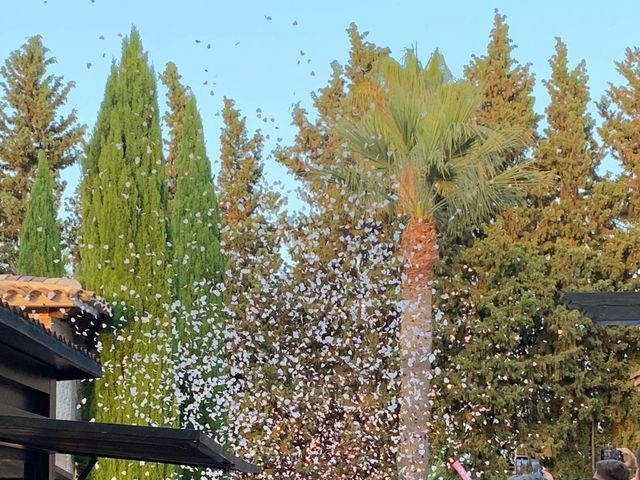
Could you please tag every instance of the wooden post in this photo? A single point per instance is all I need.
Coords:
(593, 445)
(38, 466)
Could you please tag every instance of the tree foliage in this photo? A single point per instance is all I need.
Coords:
(196, 218)
(548, 376)
(177, 97)
(251, 240)
(198, 273)
(281, 333)
(124, 253)
(337, 267)
(507, 86)
(620, 130)
(40, 253)
(31, 121)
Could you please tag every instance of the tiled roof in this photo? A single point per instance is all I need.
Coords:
(54, 293)
(20, 323)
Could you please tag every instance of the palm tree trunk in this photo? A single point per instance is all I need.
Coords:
(420, 253)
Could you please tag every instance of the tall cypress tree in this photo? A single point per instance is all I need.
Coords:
(40, 235)
(196, 217)
(198, 268)
(30, 121)
(124, 253)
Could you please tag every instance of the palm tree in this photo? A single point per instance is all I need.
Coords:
(419, 145)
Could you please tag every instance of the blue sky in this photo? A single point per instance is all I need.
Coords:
(262, 70)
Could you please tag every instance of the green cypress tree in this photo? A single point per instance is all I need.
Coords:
(30, 121)
(124, 253)
(40, 236)
(196, 218)
(198, 268)
(123, 172)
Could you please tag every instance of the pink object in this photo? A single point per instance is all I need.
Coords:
(462, 473)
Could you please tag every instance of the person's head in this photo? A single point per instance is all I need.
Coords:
(611, 470)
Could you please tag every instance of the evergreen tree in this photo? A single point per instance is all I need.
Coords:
(123, 253)
(507, 86)
(619, 133)
(568, 150)
(620, 129)
(196, 218)
(245, 205)
(241, 168)
(251, 240)
(30, 121)
(40, 236)
(348, 94)
(540, 387)
(198, 268)
(174, 118)
(325, 242)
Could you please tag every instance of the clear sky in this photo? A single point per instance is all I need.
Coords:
(256, 46)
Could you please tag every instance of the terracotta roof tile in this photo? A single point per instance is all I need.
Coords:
(52, 293)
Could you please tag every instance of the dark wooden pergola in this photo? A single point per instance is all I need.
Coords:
(606, 308)
(33, 358)
(618, 309)
(128, 442)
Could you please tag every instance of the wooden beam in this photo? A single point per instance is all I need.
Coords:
(87, 470)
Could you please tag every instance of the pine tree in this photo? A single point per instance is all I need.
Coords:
(568, 150)
(245, 205)
(241, 168)
(326, 243)
(540, 387)
(124, 253)
(174, 118)
(40, 236)
(507, 85)
(620, 130)
(251, 240)
(348, 94)
(30, 121)
(620, 109)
